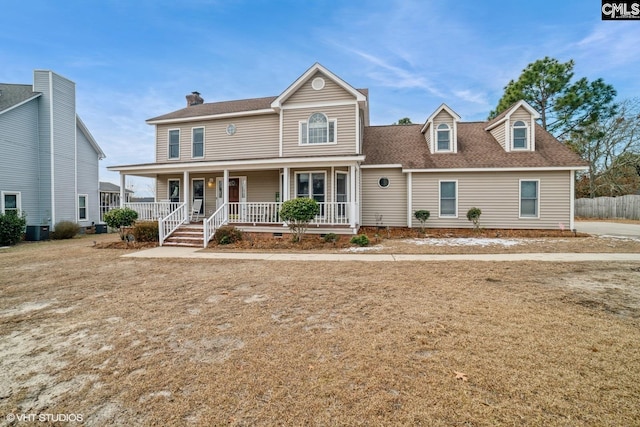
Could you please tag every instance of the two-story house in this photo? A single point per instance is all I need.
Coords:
(49, 167)
(237, 161)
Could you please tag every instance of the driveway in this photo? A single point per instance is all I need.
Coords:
(609, 228)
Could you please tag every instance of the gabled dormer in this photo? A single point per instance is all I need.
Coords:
(441, 130)
(514, 128)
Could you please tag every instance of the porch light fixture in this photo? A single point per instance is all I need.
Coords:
(210, 183)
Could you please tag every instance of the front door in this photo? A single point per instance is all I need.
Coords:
(237, 190)
(234, 190)
(197, 189)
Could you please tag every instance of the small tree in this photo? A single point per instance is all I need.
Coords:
(473, 215)
(298, 213)
(120, 218)
(422, 216)
(12, 227)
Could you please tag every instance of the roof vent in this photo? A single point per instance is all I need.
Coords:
(194, 98)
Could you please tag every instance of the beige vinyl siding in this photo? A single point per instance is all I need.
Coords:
(330, 93)
(390, 202)
(497, 194)
(256, 137)
(499, 134)
(262, 185)
(521, 114)
(346, 142)
(427, 137)
(446, 118)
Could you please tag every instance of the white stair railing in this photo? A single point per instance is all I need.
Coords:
(171, 222)
(212, 223)
(151, 211)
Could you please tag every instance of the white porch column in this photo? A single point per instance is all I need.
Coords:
(409, 199)
(187, 196)
(225, 192)
(122, 188)
(352, 199)
(285, 185)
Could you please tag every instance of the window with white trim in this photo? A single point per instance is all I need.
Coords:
(174, 143)
(529, 198)
(313, 186)
(11, 203)
(520, 131)
(318, 129)
(197, 142)
(449, 198)
(82, 207)
(443, 136)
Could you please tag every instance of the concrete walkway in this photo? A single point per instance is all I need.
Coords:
(603, 228)
(196, 253)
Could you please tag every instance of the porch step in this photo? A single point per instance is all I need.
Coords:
(188, 236)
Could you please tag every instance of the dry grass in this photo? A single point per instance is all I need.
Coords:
(171, 342)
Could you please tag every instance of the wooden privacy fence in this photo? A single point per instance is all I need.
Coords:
(627, 207)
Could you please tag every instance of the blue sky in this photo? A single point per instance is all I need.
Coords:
(136, 59)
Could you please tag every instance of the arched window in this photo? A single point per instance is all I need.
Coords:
(520, 135)
(444, 137)
(318, 129)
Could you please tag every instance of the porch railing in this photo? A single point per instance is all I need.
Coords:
(212, 223)
(171, 222)
(151, 211)
(331, 213)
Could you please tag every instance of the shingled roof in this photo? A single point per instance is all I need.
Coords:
(14, 94)
(214, 108)
(406, 145)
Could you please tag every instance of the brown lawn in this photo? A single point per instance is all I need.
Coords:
(125, 341)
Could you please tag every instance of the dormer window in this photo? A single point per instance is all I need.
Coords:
(318, 130)
(444, 137)
(520, 135)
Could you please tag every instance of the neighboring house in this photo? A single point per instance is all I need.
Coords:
(49, 166)
(110, 197)
(244, 158)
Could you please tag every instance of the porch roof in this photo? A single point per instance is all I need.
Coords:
(153, 169)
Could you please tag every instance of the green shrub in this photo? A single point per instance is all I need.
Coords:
(227, 234)
(473, 215)
(422, 216)
(360, 240)
(65, 230)
(298, 213)
(12, 228)
(330, 238)
(146, 231)
(120, 218)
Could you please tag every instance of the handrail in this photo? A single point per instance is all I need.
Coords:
(212, 223)
(150, 211)
(171, 222)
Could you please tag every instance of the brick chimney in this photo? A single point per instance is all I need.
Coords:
(194, 98)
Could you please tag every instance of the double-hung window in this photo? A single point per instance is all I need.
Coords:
(10, 203)
(449, 198)
(444, 137)
(197, 142)
(318, 129)
(174, 144)
(312, 185)
(520, 135)
(82, 207)
(529, 198)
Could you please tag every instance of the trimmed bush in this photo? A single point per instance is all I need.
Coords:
(227, 234)
(12, 228)
(120, 218)
(473, 215)
(65, 230)
(298, 213)
(360, 240)
(422, 216)
(146, 231)
(330, 238)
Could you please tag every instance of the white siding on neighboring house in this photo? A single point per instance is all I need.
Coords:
(497, 194)
(19, 170)
(88, 180)
(384, 206)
